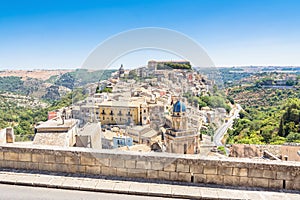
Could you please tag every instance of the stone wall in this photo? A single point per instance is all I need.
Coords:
(283, 152)
(161, 166)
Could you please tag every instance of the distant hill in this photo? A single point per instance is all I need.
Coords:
(35, 74)
(48, 84)
(81, 77)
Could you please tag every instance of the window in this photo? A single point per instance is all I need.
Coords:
(185, 148)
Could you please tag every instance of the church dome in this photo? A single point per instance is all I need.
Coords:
(179, 107)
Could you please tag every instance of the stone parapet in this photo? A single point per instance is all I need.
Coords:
(160, 166)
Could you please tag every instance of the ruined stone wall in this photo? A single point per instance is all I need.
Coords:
(162, 166)
(253, 150)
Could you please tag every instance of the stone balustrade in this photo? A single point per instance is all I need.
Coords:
(160, 166)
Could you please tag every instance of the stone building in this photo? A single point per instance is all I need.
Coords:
(142, 134)
(179, 137)
(157, 115)
(56, 132)
(89, 136)
(154, 65)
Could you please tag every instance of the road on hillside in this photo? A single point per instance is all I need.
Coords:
(15, 192)
(219, 134)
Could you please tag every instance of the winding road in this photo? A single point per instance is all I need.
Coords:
(220, 132)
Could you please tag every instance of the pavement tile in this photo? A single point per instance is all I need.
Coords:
(230, 194)
(89, 184)
(71, 182)
(42, 180)
(105, 186)
(254, 195)
(185, 191)
(136, 188)
(2, 176)
(122, 186)
(27, 179)
(12, 178)
(279, 195)
(238, 194)
(209, 193)
(273, 196)
(293, 197)
(160, 189)
(57, 181)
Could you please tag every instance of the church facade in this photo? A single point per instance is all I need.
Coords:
(179, 137)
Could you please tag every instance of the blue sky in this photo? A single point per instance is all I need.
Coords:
(60, 34)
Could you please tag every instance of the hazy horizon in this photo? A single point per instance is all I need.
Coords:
(117, 67)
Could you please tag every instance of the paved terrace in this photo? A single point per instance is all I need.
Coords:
(137, 187)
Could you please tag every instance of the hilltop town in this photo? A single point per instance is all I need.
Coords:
(143, 109)
(165, 106)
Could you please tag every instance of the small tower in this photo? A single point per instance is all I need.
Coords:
(179, 118)
(121, 71)
(144, 114)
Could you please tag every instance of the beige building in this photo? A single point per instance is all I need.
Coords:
(123, 113)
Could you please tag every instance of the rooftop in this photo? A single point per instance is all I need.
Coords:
(89, 129)
(119, 104)
(56, 125)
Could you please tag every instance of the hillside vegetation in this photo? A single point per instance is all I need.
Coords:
(23, 118)
(171, 65)
(270, 116)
